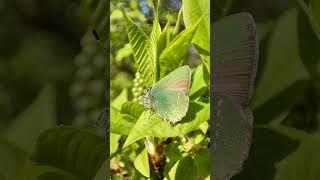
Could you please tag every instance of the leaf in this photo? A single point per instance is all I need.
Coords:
(149, 124)
(172, 56)
(154, 39)
(303, 163)
(120, 99)
(141, 163)
(283, 50)
(122, 123)
(132, 108)
(311, 13)
(309, 45)
(290, 154)
(164, 38)
(40, 115)
(202, 162)
(34, 171)
(197, 114)
(77, 152)
(178, 22)
(198, 85)
(12, 158)
(192, 12)
(141, 50)
(186, 169)
(102, 173)
(114, 142)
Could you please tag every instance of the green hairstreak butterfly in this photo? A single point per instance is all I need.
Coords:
(169, 97)
(235, 56)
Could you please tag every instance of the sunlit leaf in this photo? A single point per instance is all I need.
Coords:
(141, 163)
(120, 99)
(141, 50)
(192, 12)
(172, 56)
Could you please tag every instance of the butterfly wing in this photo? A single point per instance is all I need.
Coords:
(177, 80)
(171, 105)
(235, 57)
(171, 95)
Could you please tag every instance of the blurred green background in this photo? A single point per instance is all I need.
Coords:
(286, 101)
(52, 72)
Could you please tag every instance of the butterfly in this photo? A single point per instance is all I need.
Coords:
(235, 56)
(169, 97)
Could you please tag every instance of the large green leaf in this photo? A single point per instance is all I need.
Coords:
(291, 154)
(172, 56)
(198, 85)
(40, 115)
(192, 12)
(12, 159)
(283, 50)
(77, 152)
(122, 122)
(141, 163)
(150, 124)
(141, 50)
(154, 39)
(184, 169)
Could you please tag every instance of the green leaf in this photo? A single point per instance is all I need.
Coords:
(141, 163)
(40, 115)
(186, 169)
(77, 152)
(120, 99)
(177, 26)
(114, 142)
(203, 164)
(292, 154)
(309, 46)
(172, 56)
(303, 163)
(312, 15)
(154, 39)
(282, 51)
(132, 108)
(198, 85)
(192, 12)
(141, 50)
(12, 158)
(102, 173)
(197, 114)
(149, 124)
(34, 171)
(164, 38)
(122, 123)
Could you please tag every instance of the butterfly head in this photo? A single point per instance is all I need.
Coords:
(147, 99)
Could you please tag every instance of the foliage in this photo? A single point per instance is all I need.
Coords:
(140, 150)
(286, 98)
